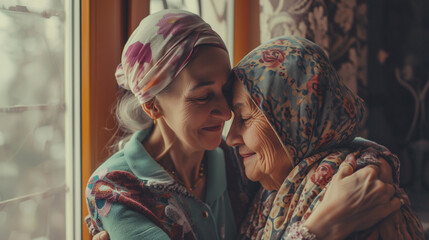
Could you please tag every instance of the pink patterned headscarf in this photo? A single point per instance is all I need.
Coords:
(159, 48)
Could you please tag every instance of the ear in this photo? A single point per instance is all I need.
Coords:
(152, 109)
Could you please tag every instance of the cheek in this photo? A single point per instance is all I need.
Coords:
(188, 116)
(179, 117)
(194, 114)
(266, 146)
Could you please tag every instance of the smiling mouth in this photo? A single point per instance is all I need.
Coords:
(246, 156)
(214, 128)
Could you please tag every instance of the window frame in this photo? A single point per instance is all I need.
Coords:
(73, 204)
(112, 21)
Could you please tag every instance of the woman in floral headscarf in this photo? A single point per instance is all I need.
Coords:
(294, 125)
(171, 180)
(174, 68)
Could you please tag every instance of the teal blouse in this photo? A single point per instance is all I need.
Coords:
(132, 197)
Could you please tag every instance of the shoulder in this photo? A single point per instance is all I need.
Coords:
(110, 180)
(114, 163)
(114, 186)
(122, 164)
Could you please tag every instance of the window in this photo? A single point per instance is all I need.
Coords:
(36, 119)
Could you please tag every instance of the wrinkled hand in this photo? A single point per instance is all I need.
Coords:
(101, 236)
(354, 201)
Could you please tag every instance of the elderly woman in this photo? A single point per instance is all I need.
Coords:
(171, 180)
(294, 123)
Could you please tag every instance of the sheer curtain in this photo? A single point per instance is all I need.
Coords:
(32, 119)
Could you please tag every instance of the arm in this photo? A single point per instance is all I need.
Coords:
(101, 236)
(120, 210)
(354, 202)
(127, 224)
(123, 223)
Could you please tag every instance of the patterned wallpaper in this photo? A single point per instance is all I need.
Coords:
(338, 26)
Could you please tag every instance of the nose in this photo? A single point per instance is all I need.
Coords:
(221, 108)
(234, 137)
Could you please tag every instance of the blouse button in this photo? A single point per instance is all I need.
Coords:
(205, 214)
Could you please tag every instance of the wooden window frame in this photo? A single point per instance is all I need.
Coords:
(246, 28)
(105, 25)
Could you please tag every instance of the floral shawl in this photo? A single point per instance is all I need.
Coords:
(159, 48)
(317, 119)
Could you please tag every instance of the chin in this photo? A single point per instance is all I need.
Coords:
(212, 144)
(251, 176)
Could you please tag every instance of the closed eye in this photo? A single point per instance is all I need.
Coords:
(204, 98)
(244, 119)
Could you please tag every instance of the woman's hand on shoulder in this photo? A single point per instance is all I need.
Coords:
(103, 235)
(354, 201)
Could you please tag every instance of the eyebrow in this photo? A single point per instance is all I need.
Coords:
(202, 84)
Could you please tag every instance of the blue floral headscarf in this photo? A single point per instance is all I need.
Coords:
(317, 119)
(295, 86)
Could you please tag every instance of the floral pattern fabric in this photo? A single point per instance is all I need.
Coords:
(317, 119)
(159, 48)
(124, 188)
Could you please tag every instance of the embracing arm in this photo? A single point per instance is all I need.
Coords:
(132, 225)
(353, 202)
(123, 223)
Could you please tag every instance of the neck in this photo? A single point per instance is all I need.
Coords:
(270, 183)
(274, 180)
(165, 147)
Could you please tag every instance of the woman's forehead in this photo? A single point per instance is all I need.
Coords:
(241, 100)
(209, 64)
(203, 70)
(209, 59)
